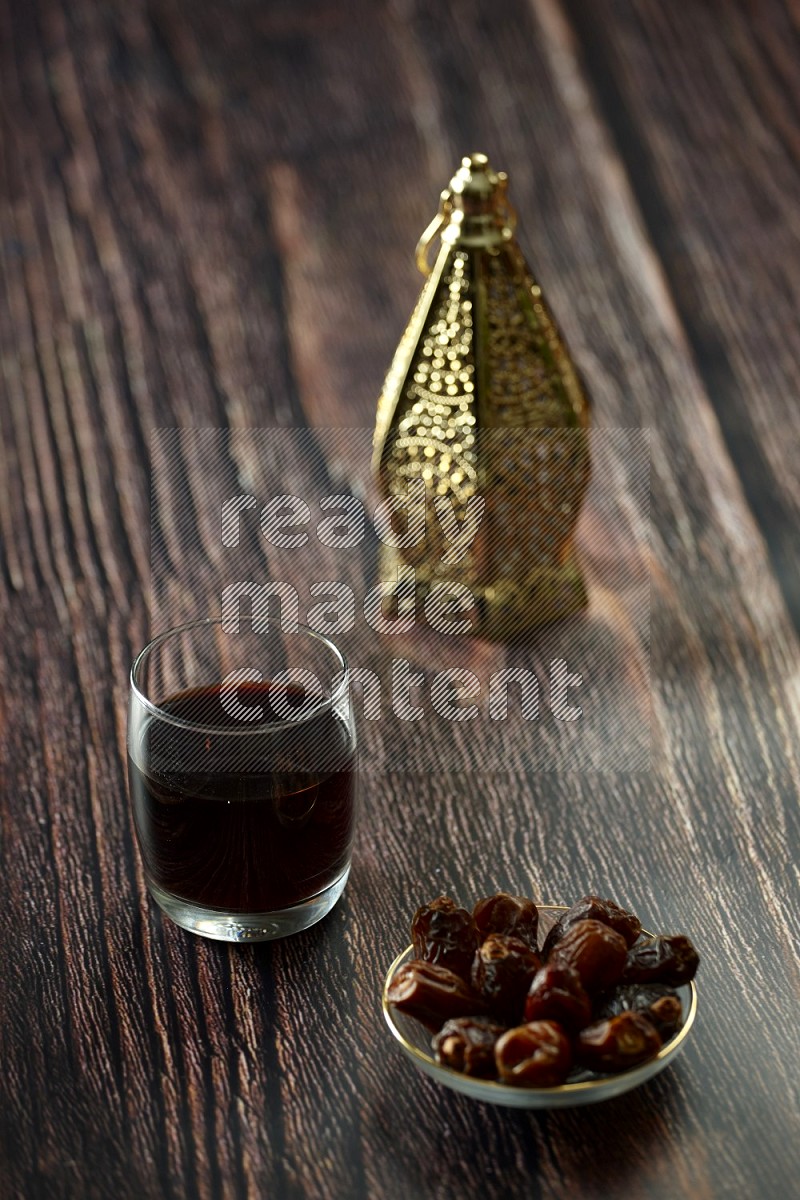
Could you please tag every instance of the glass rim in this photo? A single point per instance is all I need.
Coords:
(342, 680)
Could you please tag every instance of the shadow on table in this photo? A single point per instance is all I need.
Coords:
(436, 1143)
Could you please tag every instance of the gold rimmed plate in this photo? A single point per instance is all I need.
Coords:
(582, 1087)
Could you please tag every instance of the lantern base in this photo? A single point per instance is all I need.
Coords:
(508, 609)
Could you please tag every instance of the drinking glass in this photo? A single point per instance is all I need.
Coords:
(243, 776)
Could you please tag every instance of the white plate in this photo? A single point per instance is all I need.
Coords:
(582, 1087)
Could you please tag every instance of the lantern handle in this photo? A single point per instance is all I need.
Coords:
(435, 228)
(505, 206)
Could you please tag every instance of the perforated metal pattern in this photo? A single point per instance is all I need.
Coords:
(482, 398)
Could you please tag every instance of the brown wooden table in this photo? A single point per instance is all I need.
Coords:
(208, 213)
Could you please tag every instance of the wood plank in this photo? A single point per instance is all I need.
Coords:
(702, 106)
(208, 219)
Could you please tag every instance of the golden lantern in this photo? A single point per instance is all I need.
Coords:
(483, 405)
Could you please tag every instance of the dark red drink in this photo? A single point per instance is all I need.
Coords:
(243, 820)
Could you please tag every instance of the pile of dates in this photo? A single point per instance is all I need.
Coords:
(595, 995)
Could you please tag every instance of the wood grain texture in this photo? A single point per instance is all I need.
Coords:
(703, 108)
(207, 217)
